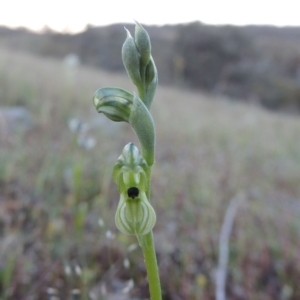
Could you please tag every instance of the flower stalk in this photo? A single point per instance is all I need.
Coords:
(132, 172)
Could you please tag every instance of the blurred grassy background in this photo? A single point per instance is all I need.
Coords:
(57, 197)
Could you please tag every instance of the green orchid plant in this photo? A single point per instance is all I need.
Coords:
(132, 172)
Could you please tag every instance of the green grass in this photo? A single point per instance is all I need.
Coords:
(53, 192)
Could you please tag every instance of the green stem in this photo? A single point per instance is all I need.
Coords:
(148, 247)
(147, 244)
(141, 92)
(146, 241)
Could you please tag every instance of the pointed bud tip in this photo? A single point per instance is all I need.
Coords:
(128, 32)
(137, 23)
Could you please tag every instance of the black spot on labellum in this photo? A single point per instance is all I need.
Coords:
(133, 192)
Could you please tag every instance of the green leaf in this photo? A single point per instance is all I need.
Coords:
(143, 125)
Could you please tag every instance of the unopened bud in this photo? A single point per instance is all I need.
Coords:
(142, 41)
(115, 103)
(151, 72)
(131, 59)
(151, 80)
(120, 105)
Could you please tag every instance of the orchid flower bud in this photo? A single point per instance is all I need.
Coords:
(120, 105)
(139, 64)
(151, 80)
(115, 103)
(131, 59)
(134, 215)
(142, 41)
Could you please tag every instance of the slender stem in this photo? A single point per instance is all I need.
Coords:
(141, 92)
(146, 241)
(147, 244)
(148, 247)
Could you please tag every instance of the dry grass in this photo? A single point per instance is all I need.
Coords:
(53, 192)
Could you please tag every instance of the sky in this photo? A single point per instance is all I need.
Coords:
(73, 16)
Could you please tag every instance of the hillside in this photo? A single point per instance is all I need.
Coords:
(57, 197)
(258, 64)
